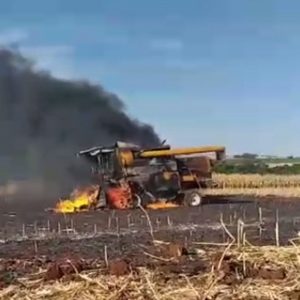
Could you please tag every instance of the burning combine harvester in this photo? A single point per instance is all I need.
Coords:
(129, 176)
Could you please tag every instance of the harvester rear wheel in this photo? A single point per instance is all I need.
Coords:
(193, 198)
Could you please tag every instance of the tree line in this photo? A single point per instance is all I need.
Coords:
(256, 168)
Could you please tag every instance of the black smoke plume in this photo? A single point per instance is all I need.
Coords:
(45, 121)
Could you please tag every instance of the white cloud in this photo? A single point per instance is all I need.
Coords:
(166, 44)
(13, 36)
(58, 59)
(50, 50)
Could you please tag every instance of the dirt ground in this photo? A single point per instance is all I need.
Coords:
(32, 239)
(89, 231)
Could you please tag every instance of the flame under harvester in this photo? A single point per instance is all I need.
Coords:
(129, 176)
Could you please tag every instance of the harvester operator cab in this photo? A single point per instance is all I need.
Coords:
(107, 168)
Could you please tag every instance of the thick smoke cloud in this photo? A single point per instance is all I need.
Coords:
(45, 121)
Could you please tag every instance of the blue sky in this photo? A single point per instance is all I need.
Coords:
(202, 72)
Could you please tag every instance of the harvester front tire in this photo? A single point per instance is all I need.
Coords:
(193, 199)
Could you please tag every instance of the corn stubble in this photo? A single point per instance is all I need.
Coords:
(257, 185)
(266, 284)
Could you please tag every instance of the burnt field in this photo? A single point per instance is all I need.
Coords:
(171, 243)
(125, 228)
(87, 233)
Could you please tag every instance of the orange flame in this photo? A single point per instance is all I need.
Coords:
(119, 197)
(162, 205)
(80, 200)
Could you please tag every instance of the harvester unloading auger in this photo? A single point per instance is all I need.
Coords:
(130, 176)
